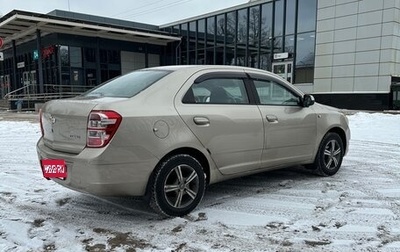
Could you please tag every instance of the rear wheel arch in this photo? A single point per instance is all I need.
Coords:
(198, 155)
(178, 182)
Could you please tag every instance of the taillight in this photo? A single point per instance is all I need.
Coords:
(102, 126)
(41, 121)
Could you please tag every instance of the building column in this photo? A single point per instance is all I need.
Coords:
(146, 56)
(98, 65)
(14, 60)
(40, 63)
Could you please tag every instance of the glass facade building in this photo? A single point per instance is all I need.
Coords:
(277, 36)
(345, 53)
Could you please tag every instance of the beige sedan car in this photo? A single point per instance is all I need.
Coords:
(166, 133)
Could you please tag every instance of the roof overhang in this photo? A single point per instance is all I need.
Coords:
(22, 26)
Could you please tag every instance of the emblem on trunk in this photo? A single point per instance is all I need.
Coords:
(52, 119)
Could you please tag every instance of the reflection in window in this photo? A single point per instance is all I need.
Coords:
(279, 18)
(272, 93)
(217, 91)
(201, 31)
(254, 36)
(229, 57)
(241, 38)
(305, 57)
(277, 45)
(254, 25)
(307, 13)
(192, 36)
(290, 16)
(64, 57)
(231, 27)
(266, 36)
(90, 54)
(175, 29)
(75, 56)
(289, 44)
(192, 29)
(242, 27)
(266, 26)
(221, 25)
(201, 28)
(210, 30)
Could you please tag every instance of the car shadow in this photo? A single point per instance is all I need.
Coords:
(133, 207)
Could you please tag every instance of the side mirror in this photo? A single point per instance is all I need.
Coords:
(308, 100)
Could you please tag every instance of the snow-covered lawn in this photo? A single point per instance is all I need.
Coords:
(358, 209)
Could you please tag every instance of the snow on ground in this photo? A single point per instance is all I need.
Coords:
(358, 209)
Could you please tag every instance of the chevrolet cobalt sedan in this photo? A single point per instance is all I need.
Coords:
(165, 133)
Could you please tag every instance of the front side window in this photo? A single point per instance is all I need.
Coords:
(217, 91)
(272, 93)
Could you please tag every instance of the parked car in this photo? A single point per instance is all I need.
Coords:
(165, 133)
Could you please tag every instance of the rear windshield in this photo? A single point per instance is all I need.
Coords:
(128, 85)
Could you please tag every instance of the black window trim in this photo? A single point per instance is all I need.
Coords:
(258, 77)
(224, 75)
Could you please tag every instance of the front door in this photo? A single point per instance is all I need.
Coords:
(290, 129)
(284, 69)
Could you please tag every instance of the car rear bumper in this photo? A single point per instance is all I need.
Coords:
(91, 171)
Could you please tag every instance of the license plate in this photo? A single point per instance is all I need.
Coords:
(54, 168)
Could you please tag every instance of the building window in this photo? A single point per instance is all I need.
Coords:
(90, 55)
(231, 21)
(210, 41)
(290, 16)
(278, 28)
(305, 57)
(75, 56)
(266, 36)
(192, 35)
(307, 13)
(64, 57)
(220, 39)
(242, 37)
(201, 31)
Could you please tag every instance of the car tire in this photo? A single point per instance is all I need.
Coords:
(330, 155)
(178, 186)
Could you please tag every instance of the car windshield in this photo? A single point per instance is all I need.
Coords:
(128, 85)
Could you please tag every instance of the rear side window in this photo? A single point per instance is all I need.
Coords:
(217, 91)
(128, 85)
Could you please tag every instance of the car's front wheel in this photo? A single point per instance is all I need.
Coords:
(178, 186)
(330, 155)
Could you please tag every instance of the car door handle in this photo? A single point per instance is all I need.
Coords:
(272, 118)
(202, 121)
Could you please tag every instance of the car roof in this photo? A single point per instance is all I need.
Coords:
(205, 67)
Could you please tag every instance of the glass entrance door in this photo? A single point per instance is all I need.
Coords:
(284, 69)
(395, 90)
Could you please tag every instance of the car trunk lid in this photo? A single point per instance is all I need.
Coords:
(64, 123)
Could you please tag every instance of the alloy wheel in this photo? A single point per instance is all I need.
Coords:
(332, 154)
(181, 186)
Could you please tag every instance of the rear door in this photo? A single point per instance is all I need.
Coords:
(218, 110)
(290, 129)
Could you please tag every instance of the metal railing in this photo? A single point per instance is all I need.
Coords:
(28, 95)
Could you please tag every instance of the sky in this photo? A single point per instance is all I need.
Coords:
(155, 12)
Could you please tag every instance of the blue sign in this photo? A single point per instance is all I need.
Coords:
(35, 55)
